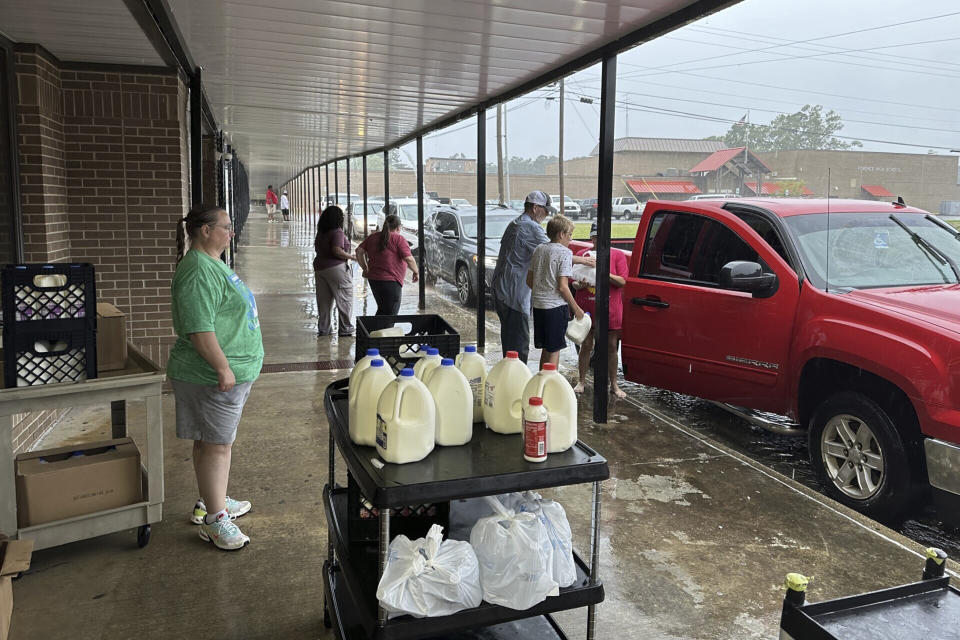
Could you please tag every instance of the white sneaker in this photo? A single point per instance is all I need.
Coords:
(224, 534)
(235, 508)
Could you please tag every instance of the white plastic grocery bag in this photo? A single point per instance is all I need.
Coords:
(552, 515)
(585, 273)
(429, 576)
(514, 552)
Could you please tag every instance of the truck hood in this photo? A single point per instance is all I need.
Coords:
(938, 305)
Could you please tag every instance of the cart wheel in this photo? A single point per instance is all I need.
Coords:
(143, 536)
(326, 617)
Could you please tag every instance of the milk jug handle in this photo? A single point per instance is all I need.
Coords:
(396, 402)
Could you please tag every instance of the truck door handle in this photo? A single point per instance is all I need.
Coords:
(650, 302)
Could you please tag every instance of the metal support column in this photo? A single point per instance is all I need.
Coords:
(326, 171)
(196, 138)
(336, 183)
(594, 556)
(386, 183)
(421, 249)
(608, 103)
(365, 197)
(481, 229)
(348, 213)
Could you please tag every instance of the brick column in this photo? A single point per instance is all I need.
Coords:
(41, 149)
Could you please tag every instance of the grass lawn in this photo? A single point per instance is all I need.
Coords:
(955, 223)
(617, 230)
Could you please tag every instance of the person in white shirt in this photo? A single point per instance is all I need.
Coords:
(285, 207)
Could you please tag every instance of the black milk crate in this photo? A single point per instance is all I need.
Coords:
(413, 521)
(26, 299)
(400, 351)
(34, 357)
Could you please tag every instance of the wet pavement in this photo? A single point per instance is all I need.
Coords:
(696, 536)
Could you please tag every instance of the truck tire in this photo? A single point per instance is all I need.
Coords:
(860, 456)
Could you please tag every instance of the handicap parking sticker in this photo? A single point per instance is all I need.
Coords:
(881, 240)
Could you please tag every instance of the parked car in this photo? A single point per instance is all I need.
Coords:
(570, 207)
(844, 315)
(516, 205)
(460, 202)
(588, 207)
(406, 208)
(373, 209)
(450, 241)
(625, 207)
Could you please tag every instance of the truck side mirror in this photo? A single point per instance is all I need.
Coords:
(741, 275)
(449, 233)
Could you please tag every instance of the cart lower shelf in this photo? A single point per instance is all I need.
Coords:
(347, 619)
(357, 573)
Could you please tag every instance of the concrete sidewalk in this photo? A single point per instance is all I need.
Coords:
(695, 538)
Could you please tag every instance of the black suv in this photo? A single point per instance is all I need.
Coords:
(450, 242)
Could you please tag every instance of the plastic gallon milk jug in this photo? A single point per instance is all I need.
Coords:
(560, 402)
(364, 393)
(503, 389)
(362, 364)
(427, 363)
(454, 404)
(577, 330)
(474, 368)
(406, 419)
(387, 333)
(534, 431)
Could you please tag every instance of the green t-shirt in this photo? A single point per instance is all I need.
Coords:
(208, 296)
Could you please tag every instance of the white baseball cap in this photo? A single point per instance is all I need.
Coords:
(542, 199)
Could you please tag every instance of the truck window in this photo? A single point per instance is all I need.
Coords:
(684, 246)
(765, 230)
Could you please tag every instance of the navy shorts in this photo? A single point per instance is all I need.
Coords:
(550, 327)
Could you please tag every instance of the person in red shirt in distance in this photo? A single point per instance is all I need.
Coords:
(586, 297)
(271, 203)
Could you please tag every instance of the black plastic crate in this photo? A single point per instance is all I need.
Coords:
(46, 357)
(26, 299)
(413, 521)
(400, 351)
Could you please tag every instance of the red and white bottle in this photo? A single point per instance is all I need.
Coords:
(535, 431)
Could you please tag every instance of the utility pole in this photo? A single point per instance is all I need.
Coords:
(506, 153)
(499, 152)
(560, 207)
(626, 114)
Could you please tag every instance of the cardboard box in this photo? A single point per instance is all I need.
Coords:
(111, 337)
(55, 484)
(14, 558)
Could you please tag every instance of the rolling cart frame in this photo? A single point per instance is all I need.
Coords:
(144, 383)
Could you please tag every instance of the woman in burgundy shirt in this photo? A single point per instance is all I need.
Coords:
(383, 258)
(334, 277)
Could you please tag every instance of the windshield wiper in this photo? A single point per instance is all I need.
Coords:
(943, 225)
(930, 248)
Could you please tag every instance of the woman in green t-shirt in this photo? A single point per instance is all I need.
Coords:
(213, 364)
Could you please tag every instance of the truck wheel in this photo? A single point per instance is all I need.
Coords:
(464, 288)
(860, 457)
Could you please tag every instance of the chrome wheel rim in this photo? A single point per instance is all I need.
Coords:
(463, 286)
(852, 456)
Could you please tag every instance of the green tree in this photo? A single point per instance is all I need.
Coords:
(809, 128)
(525, 166)
(375, 162)
(792, 188)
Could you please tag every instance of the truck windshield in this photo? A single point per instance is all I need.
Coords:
(871, 250)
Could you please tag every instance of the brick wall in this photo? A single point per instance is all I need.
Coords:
(124, 189)
(41, 148)
(103, 165)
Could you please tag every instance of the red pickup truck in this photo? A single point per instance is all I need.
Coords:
(843, 315)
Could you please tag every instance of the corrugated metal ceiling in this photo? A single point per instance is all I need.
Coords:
(295, 82)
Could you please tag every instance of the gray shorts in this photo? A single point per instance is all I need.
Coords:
(207, 414)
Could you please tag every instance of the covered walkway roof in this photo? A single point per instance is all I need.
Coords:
(293, 83)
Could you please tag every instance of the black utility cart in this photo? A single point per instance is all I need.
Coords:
(924, 610)
(489, 464)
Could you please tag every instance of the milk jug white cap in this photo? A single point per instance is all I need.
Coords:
(470, 349)
(376, 363)
(433, 352)
(513, 354)
(407, 373)
(373, 352)
(446, 362)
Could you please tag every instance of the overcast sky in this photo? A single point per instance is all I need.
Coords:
(896, 80)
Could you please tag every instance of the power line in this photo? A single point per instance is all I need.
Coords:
(827, 37)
